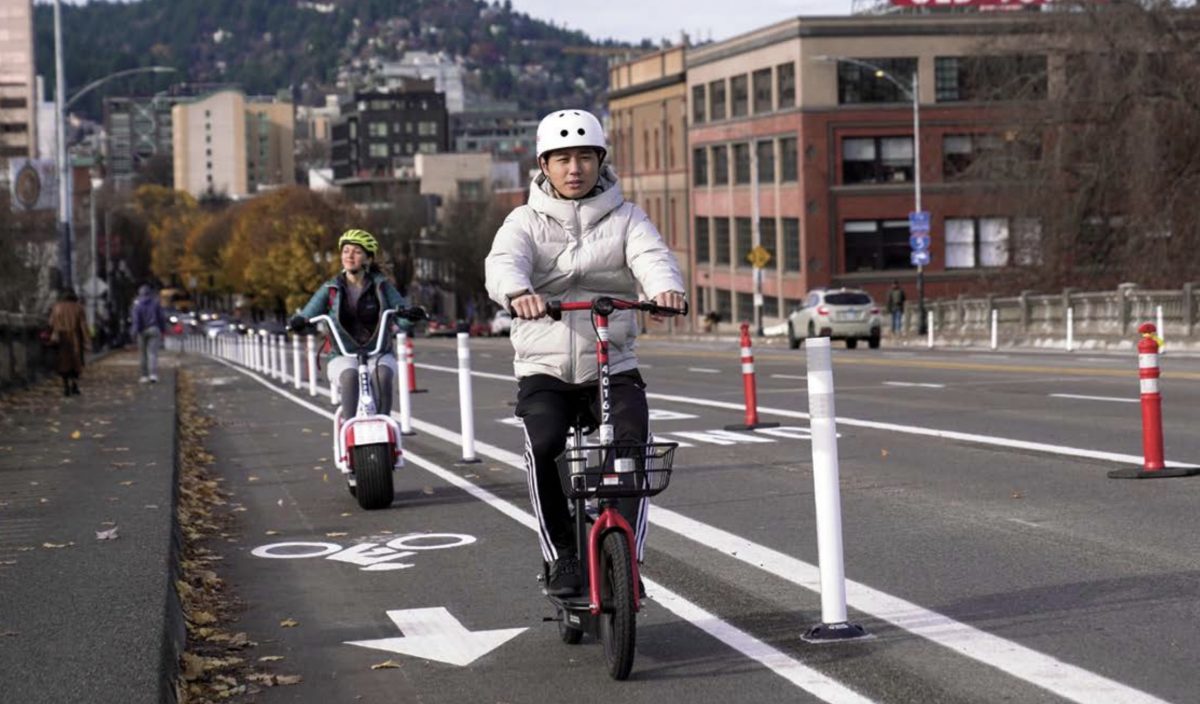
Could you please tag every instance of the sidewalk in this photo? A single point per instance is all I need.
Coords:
(84, 619)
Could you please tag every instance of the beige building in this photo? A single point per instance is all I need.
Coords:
(224, 143)
(18, 106)
(647, 135)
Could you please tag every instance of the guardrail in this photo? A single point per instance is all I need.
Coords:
(23, 359)
(1095, 314)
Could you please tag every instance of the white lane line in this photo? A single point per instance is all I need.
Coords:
(1063, 679)
(790, 376)
(989, 440)
(1104, 360)
(703, 370)
(914, 383)
(989, 356)
(812, 681)
(1083, 397)
(899, 354)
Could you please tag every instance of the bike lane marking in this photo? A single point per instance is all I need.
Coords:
(810, 680)
(989, 440)
(1063, 679)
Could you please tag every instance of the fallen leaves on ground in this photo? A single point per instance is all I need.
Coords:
(110, 534)
(386, 665)
(289, 623)
(76, 435)
(271, 680)
(56, 546)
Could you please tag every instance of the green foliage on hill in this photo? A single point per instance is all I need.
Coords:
(269, 46)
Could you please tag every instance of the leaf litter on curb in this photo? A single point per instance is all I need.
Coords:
(215, 666)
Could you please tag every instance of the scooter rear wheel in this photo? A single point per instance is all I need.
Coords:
(373, 475)
(618, 628)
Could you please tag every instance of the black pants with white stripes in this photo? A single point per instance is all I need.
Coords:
(547, 406)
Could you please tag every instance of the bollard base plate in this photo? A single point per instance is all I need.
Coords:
(418, 391)
(834, 633)
(470, 461)
(750, 426)
(1164, 473)
(408, 433)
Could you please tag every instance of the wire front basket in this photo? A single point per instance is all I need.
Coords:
(616, 471)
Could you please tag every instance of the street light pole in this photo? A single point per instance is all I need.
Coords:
(66, 273)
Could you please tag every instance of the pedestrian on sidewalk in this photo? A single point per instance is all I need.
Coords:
(149, 326)
(69, 332)
(895, 306)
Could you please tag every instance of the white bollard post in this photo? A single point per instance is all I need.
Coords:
(296, 362)
(995, 328)
(310, 351)
(272, 356)
(1070, 329)
(1162, 332)
(823, 424)
(402, 388)
(929, 328)
(466, 405)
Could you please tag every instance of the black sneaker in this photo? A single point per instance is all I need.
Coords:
(564, 578)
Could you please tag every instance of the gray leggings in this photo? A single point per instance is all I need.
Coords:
(383, 381)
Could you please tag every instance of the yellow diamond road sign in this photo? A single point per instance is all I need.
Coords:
(758, 257)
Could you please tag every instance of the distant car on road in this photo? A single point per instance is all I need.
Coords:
(848, 314)
(501, 323)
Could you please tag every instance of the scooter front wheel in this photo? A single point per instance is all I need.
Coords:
(373, 475)
(618, 628)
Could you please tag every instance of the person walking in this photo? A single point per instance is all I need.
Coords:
(895, 306)
(69, 332)
(148, 327)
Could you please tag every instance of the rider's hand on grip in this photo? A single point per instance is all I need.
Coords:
(670, 303)
(414, 314)
(528, 306)
(297, 323)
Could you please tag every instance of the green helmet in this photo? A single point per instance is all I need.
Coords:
(362, 238)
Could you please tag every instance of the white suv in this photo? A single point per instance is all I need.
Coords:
(840, 314)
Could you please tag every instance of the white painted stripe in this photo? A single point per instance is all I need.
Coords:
(899, 354)
(703, 370)
(1052, 674)
(746, 352)
(989, 356)
(914, 383)
(806, 678)
(1060, 678)
(747, 367)
(1148, 386)
(1105, 360)
(989, 440)
(801, 377)
(1084, 397)
(1147, 361)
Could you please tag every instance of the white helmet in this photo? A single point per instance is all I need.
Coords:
(570, 128)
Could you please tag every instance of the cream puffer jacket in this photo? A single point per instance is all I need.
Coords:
(575, 250)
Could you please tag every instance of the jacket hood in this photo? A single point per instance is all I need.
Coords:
(605, 198)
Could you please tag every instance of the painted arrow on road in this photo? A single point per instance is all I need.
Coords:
(433, 634)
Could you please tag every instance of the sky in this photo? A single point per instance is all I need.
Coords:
(634, 20)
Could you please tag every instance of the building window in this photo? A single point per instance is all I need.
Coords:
(860, 84)
(657, 150)
(872, 245)
(961, 78)
(877, 160)
(702, 247)
(741, 163)
(767, 238)
(720, 165)
(739, 96)
(670, 146)
(766, 160)
(377, 129)
(716, 100)
(427, 147)
(785, 77)
(721, 239)
(725, 304)
(743, 242)
(700, 166)
(470, 189)
(983, 156)
(770, 307)
(427, 129)
(377, 150)
(745, 306)
(789, 167)
(762, 91)
(697, 105)
(979, 242)
(791, 244)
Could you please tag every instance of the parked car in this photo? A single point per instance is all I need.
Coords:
(501, 323)
(848, 314)
(440, 327)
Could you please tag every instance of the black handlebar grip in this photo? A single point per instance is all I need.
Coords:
(554, 309)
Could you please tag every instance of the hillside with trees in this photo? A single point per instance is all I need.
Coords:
(269, 46)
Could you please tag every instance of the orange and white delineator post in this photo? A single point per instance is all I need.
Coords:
(1153, 463)
(412, 367)
(749, 387)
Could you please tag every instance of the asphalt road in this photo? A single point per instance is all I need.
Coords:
(986, 551)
